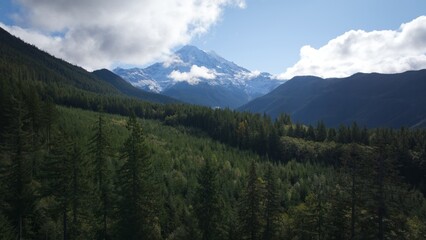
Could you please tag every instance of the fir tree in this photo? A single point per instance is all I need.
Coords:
(251, 219)
(49, 117)
(79, 188)
(58, 174)
(16, 168)
(208, 206)
(136, 188)
(272, 206)
(321, 132)
(99, 147)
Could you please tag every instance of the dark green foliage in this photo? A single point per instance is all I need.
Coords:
(208, 201)
(57, 78)
(6, 230)
(100, 152)
(272, 206)
(374, 100)
(65, 182)
(309, 204)
(124, 87)
(49, 118)
(138, 203)
(321, 132)
(251, 207)
(62, 178)
(16, 168)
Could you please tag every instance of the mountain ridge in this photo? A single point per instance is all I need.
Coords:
(126, 88)
(38, 68)
(219, 78)
(371, 99)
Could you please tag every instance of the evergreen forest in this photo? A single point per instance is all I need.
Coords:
(81, 160)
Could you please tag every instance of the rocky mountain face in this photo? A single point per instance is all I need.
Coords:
(198, 77)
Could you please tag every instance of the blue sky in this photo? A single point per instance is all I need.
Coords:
(268, 34)
(265, 35)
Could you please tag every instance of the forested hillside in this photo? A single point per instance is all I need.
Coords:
(375, 100)
(58, 79)
(71, 169)
(73, 174)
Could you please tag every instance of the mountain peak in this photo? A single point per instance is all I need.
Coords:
(189, 48)
(191, 69)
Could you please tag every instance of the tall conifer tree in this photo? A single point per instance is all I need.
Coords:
(208, 206)
(272, 206)
(251, 209)
(100, 150)
(136, 188)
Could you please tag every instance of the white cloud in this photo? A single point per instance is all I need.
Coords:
(172, 59)
(194, 75)
(385, 51)
(247, 75)
(100, 33)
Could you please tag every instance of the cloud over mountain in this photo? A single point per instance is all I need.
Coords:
(387, 51)
(194, 75)
(100, 33)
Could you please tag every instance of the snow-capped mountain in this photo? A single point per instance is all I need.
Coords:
(200, 77)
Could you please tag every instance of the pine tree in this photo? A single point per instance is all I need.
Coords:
(208, 206)
(352, 160)
(58, 175)
(49, 117)
(33, 103)
(319, 206)
(272, 206)
(99, 147)
(385, 177)
(310, 133)
(136, 188)
(251, 219)
(16, 168)
(5, 103)
(64, 178)
(343, 134)
(321, 132)
(79, 189)
(331, 135)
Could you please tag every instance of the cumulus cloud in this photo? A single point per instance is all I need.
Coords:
(387, 51)
(100, 33)
(194, 75)
(172, 59)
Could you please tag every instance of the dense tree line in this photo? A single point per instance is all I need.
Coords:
(49, 173)
(62, 179)
(72, 174)
(279, 139)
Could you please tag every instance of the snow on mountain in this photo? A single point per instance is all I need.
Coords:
(195, 66)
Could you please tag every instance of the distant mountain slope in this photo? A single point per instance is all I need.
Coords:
(207, 95)
(203, 78)
(376, 100)
(24, 62)
(126, 88)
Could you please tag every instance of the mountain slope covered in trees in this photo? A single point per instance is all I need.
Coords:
(19, 60)
(374, 100)
(126, 88)
(174, 171)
